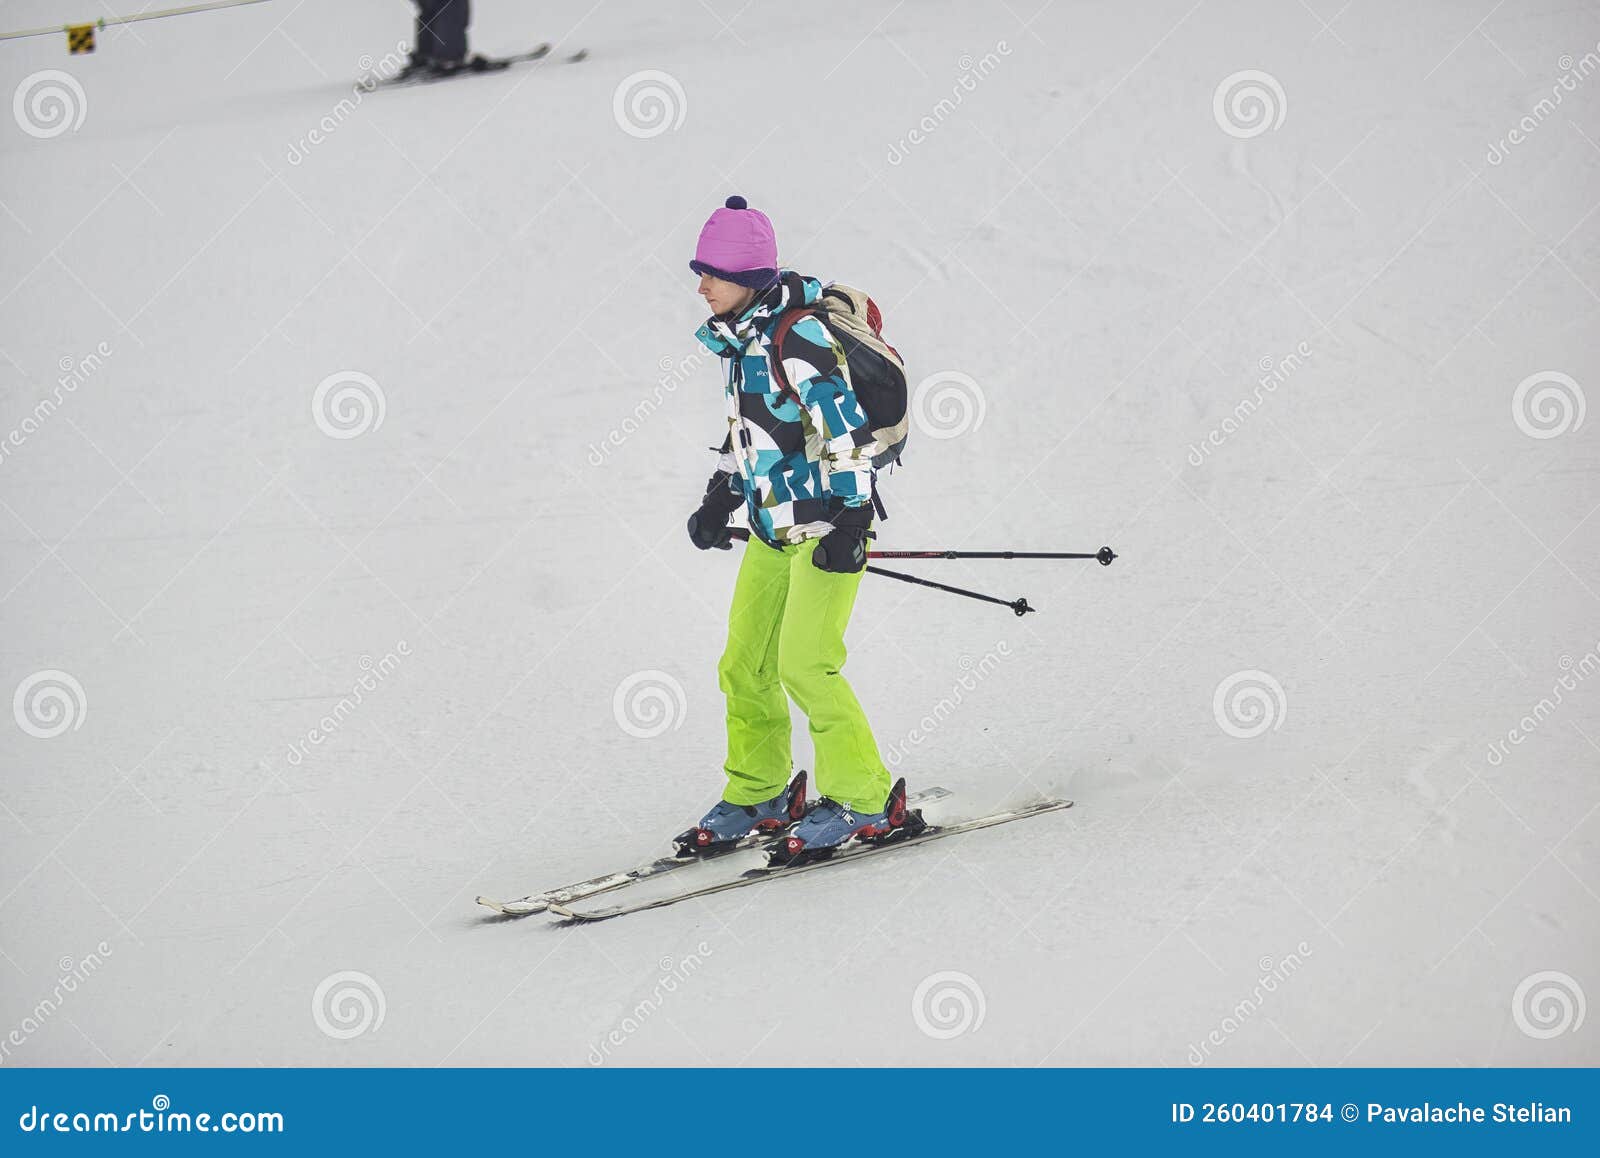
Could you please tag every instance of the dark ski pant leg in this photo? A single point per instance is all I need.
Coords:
(442, 29)
(422, 44)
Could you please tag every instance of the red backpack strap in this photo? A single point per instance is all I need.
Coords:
(786, 322)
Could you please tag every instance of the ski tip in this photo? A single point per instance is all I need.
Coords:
(513, 908)
(579, 917)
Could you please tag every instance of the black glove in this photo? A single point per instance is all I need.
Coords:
(708, 526)
(843, 550)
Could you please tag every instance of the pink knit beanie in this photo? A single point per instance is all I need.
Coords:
(737, 244)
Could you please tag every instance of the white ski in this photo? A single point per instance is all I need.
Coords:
(847, 853)
(566, 894)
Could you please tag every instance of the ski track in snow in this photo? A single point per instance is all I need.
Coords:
(509, 266)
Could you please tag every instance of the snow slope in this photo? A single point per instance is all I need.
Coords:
(1367, 881)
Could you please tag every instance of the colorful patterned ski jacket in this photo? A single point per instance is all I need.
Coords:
(794, 463)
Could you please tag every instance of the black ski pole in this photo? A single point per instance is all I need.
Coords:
(1018, 605)
(1104, 555)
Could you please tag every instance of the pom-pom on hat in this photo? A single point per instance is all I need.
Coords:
(737, 244)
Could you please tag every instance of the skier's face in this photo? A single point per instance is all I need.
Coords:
(724, 297)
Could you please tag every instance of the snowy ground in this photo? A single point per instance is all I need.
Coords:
(1381, 538)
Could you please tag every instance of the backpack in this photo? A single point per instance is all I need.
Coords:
(877, 371)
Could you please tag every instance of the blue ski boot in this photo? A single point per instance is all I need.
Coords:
(726, 824)
(830, 824)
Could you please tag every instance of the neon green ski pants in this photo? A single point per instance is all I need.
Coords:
(786, 635)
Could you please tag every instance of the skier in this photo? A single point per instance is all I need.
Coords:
(441, 42)
(799, 461)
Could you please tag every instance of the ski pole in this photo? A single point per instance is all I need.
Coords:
(1104, 555)
(107, 21)
(1018, 605)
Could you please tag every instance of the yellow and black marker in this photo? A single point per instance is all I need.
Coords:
(80, 39)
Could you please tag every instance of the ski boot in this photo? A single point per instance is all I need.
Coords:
(830, 824)
(726, 824)
(416, 65)
(477, 62)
